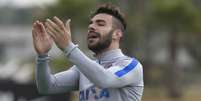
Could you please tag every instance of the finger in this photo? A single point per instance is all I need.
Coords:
(52, 37)
(34, 30)
(37, 25)
(37, 28)
(53, 25)
(68, 25)
(51, 34)
(42, 28)
(58, 22)
(34, 26)
(49, 27)
(34, 35)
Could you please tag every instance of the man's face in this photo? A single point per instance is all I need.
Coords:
(100, 31)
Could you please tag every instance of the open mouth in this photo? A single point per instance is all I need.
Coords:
(93, 35)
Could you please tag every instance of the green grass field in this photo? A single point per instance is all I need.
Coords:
(192, 93)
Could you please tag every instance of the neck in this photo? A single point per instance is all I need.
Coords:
(112, 46)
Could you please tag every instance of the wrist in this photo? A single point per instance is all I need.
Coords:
(64, 45)
(43, 58)
(43, 55)
(69, 48)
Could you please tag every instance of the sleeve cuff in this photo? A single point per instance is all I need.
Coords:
(43, 58)
(69, 49)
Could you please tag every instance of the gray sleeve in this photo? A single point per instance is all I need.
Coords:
(59, 83)
(104, 78)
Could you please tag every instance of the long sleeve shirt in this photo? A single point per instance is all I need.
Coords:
(113, 76)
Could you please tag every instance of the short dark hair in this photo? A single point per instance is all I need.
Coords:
(113, 11)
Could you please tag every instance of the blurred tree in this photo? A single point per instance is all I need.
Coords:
(176, 17)
(193, 45)
(77, 10)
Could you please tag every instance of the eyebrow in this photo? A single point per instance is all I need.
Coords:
(98, 21)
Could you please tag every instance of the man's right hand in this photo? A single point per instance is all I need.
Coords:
(41, 40)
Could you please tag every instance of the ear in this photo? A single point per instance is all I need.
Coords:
(117, 34)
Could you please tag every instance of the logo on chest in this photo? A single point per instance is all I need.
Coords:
(93, 93)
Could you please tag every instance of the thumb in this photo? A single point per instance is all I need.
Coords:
(68, 26)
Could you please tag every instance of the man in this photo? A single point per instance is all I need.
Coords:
(111, 77)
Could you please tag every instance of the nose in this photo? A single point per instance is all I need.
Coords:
(91, 27)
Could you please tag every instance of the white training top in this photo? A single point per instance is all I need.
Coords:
(112, 77)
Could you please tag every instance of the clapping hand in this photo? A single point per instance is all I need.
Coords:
(41, 40)
(59, 31)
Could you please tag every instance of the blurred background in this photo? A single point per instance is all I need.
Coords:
(165, 35)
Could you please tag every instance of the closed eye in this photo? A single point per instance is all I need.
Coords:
(100, 22)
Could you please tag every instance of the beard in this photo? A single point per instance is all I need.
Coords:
(102, 44)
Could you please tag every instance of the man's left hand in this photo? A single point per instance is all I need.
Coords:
(60, 33)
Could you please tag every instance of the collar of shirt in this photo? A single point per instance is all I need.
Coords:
(109, 55)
